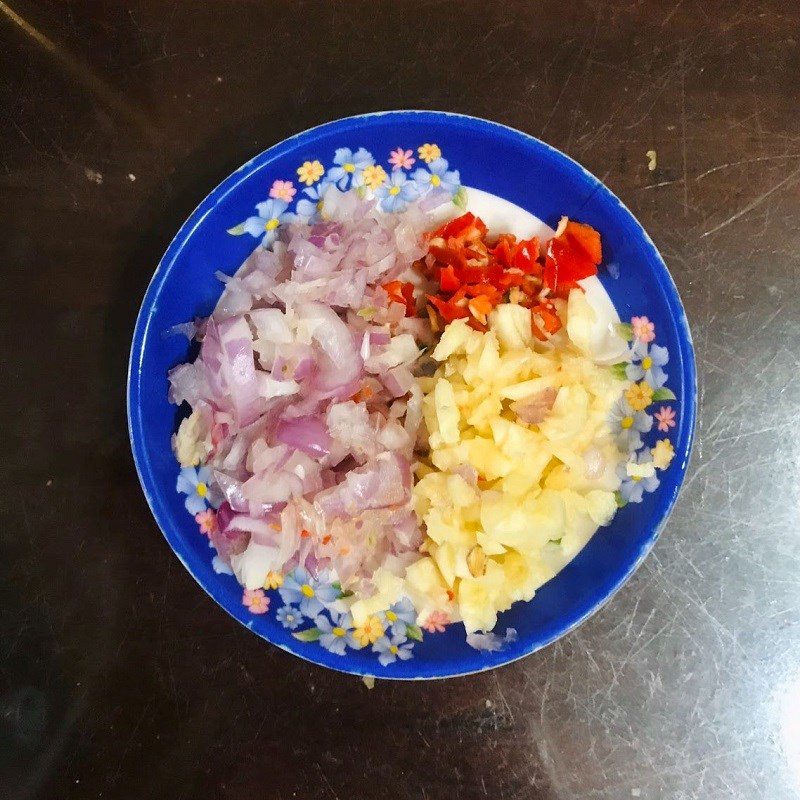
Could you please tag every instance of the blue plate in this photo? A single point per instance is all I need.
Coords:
(490, 157)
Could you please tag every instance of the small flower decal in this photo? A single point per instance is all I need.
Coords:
(638, 476)
(348, 165)
(256, 601)
(665, 417)
(311, 210)
(207, 521)
(643, 329)
(390, 650)
(371, 177)
(400, 616)
(283, 190)
(436, 622)
(628, 425)
(396, 193)
(311, 594)
(271, 215)
(647, 364)
(429, 152)
(402, 159)
(289, 617)
(663, 453)
(196, 484)
(639, 396)
(437, 176)
(310, 172)
(336, 633)
(369, 632)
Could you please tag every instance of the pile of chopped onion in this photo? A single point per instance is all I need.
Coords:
(303, 398)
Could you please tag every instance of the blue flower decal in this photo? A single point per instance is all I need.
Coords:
(289, 617)
(391, 649)
(336, 634)
(627, 425)
(647, 364)
(271, 215)
(309, 210)
(196, 484)
(437, 176)
(400, 616)
(397, 192)
(633, 486)
(348, 164)
(310, 594)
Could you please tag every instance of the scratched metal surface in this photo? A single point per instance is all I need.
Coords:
(119, 678)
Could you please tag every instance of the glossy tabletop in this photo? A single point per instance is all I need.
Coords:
(119, 677)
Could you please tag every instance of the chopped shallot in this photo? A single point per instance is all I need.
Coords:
(491, 642)
(311, 410)
(534, 409)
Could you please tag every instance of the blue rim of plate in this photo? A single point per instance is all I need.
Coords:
(466, 124)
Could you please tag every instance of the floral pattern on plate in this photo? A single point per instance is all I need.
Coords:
(393, 187)
(631, 419)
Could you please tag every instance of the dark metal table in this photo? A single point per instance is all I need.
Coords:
(119, 678)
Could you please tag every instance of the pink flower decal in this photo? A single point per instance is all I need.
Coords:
(401, 159)
(256, 601)
(665, 416)
(436, 622)
(207, 520)
(283, 190)
(643, 329)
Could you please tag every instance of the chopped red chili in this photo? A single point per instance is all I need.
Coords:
(402, 293)
(475, 276)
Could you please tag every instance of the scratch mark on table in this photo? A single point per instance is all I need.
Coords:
(129, 742)
(80, 71)
(683, 136)
(327, 782)
(745, 161)
(753, 204)
(503, 697)
(671, 13)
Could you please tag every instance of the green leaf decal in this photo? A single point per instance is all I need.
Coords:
(618, 370)
(310, 635)
(414, 632)
(663, 394)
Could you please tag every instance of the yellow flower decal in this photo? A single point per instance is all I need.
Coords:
(639, 396)
(274, 580)
(429, 152)
(374, 176)
(369, 632)
(310, 171)
(663, 453)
